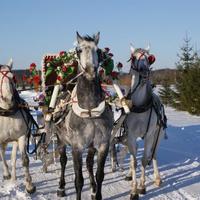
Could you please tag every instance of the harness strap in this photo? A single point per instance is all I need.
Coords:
(148, 122)
(155, 145)
(132, 92)
(143, 108)
(7, 113)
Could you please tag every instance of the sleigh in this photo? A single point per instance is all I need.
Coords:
(59, 69)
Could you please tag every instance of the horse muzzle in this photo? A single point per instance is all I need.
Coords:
(90, 71)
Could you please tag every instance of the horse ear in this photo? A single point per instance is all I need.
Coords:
(10, 63)
(79, 38)
(96, 38)
(132, 49)
(147, 48)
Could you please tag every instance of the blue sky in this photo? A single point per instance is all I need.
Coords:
(31, 28)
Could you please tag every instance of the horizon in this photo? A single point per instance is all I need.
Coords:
(34, 28)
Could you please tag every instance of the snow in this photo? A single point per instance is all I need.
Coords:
(178, 159)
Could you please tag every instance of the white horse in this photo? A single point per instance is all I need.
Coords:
(88, 124)
(146, 120)
(14, 123)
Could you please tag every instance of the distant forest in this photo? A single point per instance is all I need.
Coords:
(160, 76)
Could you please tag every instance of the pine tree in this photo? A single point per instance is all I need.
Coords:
(194, 86)
(186, 56)
(187, 80)
(165, 93)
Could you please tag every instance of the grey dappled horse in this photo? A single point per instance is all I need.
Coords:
(89, 123)
(13, 123)
(146, 120)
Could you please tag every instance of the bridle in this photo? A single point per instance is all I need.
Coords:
(143, 77)
(134, 59)
(5, 75)
(99, 55)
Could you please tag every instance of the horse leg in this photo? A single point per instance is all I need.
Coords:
(152, 149)
(142, 188)
(30, 188)
(13, 159)
(101, 159)
(157, 179)
(113, 154)
(122, 155)
(129, 174)
(132, 145)
(79, 181)
(63, 162)
(6, 173)
(90, 163)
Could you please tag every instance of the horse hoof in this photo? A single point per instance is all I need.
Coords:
(142, 190)
(61, 193)
(93, 197)
(121, 169)
(7, 177)
(158, 183)
(31, 191)
(114, 170)
(128, 178)
(134, 197)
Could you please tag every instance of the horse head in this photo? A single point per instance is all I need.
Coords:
(141, 60)
(7, 87)
(87, 52)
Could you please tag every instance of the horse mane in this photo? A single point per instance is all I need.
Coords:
(140, 49)
(88, 38)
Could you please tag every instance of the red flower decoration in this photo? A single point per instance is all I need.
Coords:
(64, 68)
(62, 53)
(106, 49)
(119, 65)
(59, 78)
(114, 74)
(36, 79)
(110, 54)
(101, 72)
(151, 59)
(48, 60)
(33, 65)
(30, 80)
(24, 78)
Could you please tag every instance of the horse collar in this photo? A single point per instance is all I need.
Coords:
(86, 113)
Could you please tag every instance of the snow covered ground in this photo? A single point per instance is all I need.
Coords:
(178, 158)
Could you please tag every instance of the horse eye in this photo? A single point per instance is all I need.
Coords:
(80, 50)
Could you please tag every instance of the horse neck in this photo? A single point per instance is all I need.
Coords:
(89, 93)
(141, 91)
